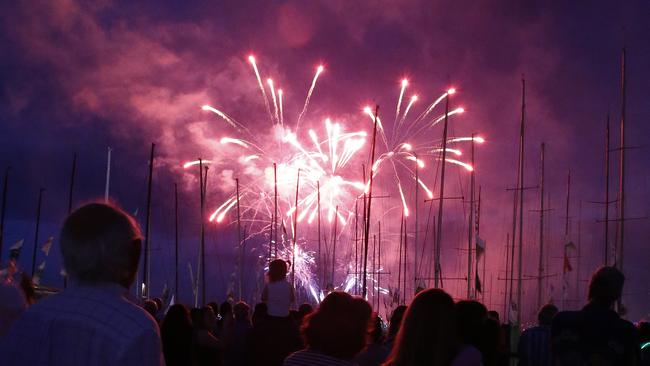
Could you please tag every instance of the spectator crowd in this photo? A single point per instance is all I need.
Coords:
(95, 322)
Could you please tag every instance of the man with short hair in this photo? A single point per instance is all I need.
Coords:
(534, 347)
(596, 335)
(91, 322)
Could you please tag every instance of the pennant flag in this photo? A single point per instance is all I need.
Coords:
(14, 250)
(47, 245)
(512, 313)
(39, 273)
(477, 284)
(570, 246)
(567, 264)
(480, 246)
(165, 294)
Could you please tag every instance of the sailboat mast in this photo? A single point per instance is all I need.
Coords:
(521, 199)
(540, 268)
(619, 259)
(606, 238)
(436, 265)
(470, 225)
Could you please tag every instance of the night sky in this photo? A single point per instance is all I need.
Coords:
(80, 76)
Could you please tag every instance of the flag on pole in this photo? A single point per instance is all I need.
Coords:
(477, 284)
(47, 245)
(14, 250)
(165, 294)
(39, 273)
(480, 247)
(567, 264)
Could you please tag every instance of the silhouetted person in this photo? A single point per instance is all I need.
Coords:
(150, 307)
(278, 294)
(234, 353)
(394, 325)
(494, 315)
(91, 322)
(259, 314)
(205, 346)
(429, 332)
(335, 333)
(472, 316)
(596, 335)
(176, 333)
(225, 322)
(535, 342)
(376, 351)
(303, 310)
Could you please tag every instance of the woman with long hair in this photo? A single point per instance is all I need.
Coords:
(428, 333)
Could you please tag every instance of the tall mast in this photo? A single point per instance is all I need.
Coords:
(363, 231)
(606, 222)
(367, 218)
(521, 199)
(239, 243)
(4, 208)
(38, 224)
(470, 226)
(399, 260)
(73, 173)
(146, 273)
(478, 231)
(566, 239)
(295, 236)
(199, 277)
(405, 258)
(320, 261)
(619, 259)
(176, 240)
(415, 243)
(275, 208)
(540, 268)
(336, 219)
(356, 246)
(108, 174)
(436, 262)
(378, 264)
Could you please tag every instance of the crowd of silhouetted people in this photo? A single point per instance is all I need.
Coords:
(94, 322)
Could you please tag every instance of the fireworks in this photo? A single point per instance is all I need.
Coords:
(403, 153)
(324, 154)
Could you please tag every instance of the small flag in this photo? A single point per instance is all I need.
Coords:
(14, 250)
(165, 293)
(480, 246)
(39, 273)
(567, 264)
(47, 245)
(477, 284)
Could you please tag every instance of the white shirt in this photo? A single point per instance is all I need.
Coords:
(278, 296)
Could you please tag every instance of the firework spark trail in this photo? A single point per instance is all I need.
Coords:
(405, 82)
(319, 70)
(275, 101)
(195, 162)
(408, 108)
(281, 108)
(238, 126)
(251, 59)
